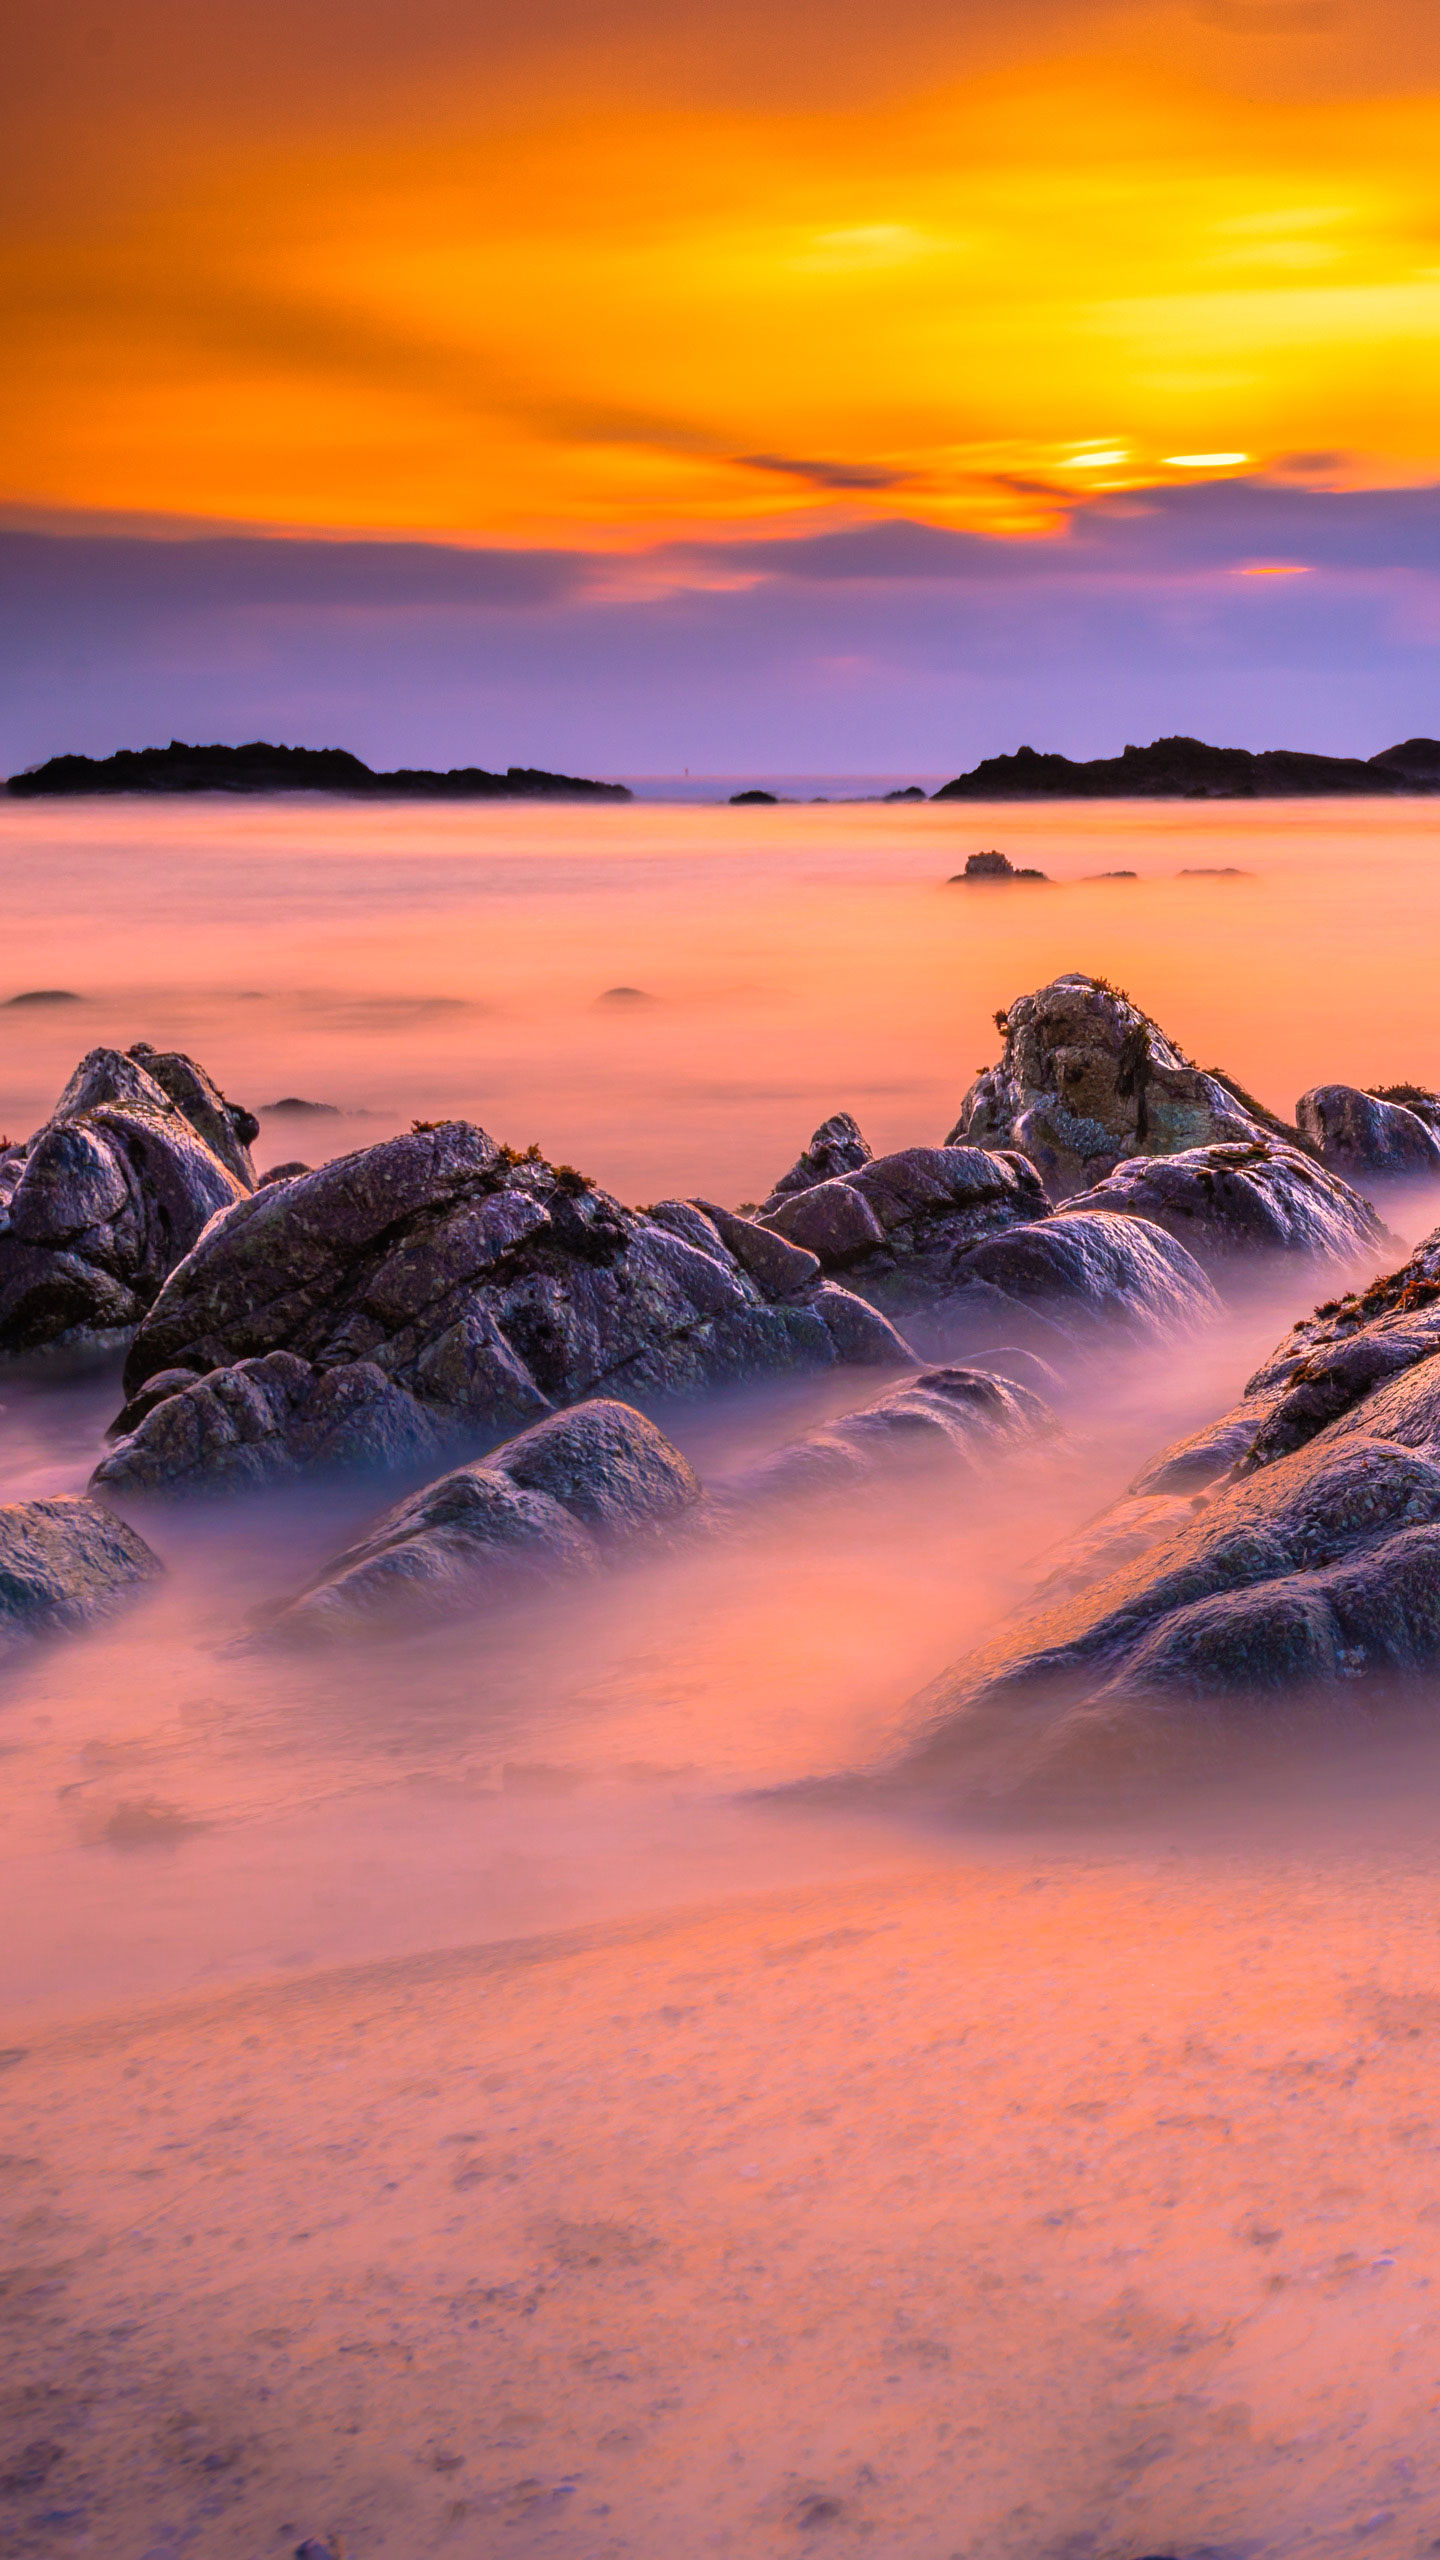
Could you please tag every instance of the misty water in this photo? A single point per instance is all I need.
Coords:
(456, 2099)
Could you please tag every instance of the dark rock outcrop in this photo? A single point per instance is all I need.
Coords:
(1285, 1558)
(64, 1564)
(102, 1203)
(1188, 769)
(836, 1148)
(262, 767)
(991, 866)
(957, 1244)
(1232, 1202)
(1412, 1097)
(267, 1422)
(553, 1501)
(1363, 1137)
(494, 1288)
(1087, 1079)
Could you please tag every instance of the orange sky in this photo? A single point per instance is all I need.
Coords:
(411, 269)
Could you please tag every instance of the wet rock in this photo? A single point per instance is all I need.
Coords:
(492, 1287)
(64, 1564)
(836, 1148)
(1361, 1136)
(1302, 1563)
(1087, 1079)
(266, 1422)
(553, 1501)
(894, 1225)
(1084, 1273)
(941, 1420)
(1230, 1202)
(101, 1204)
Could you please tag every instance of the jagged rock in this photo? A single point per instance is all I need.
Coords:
(1088, 1079)
(837, 1147)
(493, 1288)
(945, 1418)
(265, 1422)
(1360, 1135)
(1277, 1559)
(552, 1501)
(1229, 1202)
(895, 1223)
(100, 1205)
(64, 1564)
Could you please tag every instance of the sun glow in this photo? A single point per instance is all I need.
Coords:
(618, 319)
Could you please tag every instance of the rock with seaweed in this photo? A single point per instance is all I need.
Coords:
(1283, 1562)
(494, 1287)
(1086, 1079)
(1369, 1137)
(1238, 1200)
(98, 1207)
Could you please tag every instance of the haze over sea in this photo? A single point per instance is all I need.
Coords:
(520, 2136)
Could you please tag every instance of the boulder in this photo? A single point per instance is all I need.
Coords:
(950, 1420)
(837, 1147)
(65, 1564)
(1077, 1277)
(266, 1422)
(1087, 1079)
(1288, 1556)
(1233, 1201)
(493, 1288)
(553, 1501)
(1363, 1137)
(101, 1204)
(893, 1225)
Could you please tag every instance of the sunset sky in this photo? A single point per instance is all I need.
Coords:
(818, 386)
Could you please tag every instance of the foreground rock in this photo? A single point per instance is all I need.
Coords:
(837, 1147)
(1087, 1079)
(99, 1206)
(957, 1245)
(267, 1422)
(1232, 1202)
(1362, 1137)
(553, 1501)
(939, 1421)
(494, 1288)
(1302, 1564)
(65, 1564)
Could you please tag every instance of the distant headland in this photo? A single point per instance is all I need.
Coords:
(260, 767)
(1186, 769)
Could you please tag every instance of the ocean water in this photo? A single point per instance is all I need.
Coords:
(453, 2103)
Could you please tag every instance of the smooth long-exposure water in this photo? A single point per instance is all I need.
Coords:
(451, 2105)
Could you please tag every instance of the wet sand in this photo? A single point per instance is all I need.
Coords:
(1079, 2200)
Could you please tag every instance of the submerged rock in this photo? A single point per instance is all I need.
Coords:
(552, 1501)
(1303, 1562)
(64, 1564)
(944, 1419)
(1088, 1079)
(493, 1288)
(266, 1422)
(100, 1205)
(1361, 1135)
(1235, 1200)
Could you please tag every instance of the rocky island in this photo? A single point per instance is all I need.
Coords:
(1188, 769)
(260, 767)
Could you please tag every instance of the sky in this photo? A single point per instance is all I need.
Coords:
(792, 387)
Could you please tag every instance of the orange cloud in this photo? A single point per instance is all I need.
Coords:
(588, 293)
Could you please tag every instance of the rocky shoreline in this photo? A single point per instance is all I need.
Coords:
(497, 1345)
